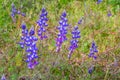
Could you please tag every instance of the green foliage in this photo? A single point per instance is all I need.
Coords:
(62, 71)
(13, 77)
(116, 5)
(96, 25)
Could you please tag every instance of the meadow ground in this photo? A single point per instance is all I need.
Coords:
(100, 23)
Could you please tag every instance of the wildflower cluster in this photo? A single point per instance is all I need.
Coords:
(74, 41)
(28, 40)
(62, 31)
(93, 50)
(42, 22)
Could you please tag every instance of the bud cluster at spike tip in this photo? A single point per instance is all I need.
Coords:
(14, 11)
(61, 37)
(42, 22)
(23, 37)
(28, 40)
(93, 50)
(74, 41)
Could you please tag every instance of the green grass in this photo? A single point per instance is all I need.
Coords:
(56, 66)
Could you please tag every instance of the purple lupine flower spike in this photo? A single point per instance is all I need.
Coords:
(42, 22)
(63, 24)
(28, 40)
(93, 50)
(3, 77)
(31, 49)
(74, 41)
(99, 1)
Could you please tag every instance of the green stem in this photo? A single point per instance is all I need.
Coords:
(105, 78)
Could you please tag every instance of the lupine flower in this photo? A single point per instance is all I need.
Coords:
(28, 40)
(3, 77)
(99, 1)
(109, 13)
(93, 50)
(42, 22)
(62, 31)
(74, 41)
(90, 70)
